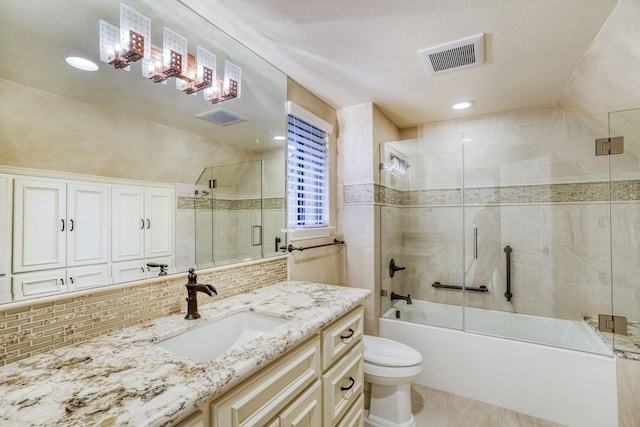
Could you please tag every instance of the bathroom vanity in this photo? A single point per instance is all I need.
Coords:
(307, 371)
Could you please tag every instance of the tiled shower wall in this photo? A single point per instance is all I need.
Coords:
(36, 327)
(532, 181)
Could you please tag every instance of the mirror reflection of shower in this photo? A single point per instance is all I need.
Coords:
(239, 212)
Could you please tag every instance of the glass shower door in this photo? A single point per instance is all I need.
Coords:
(625, 230)
(420, 227)
(536, 228)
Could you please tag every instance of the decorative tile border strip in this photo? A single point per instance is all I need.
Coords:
(628, 190)
(37, 327)
(198, 203)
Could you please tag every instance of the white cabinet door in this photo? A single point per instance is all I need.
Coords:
(40, 225)
(127, 223)
(5, 228)
(87, 277)
(38, 284)
(158, 222)
(87, 224)
(125, 271)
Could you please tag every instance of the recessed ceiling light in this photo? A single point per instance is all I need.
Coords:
(463, 105)
(81, 63)
(279, 138)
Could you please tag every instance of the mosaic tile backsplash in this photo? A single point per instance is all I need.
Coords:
(42, 326)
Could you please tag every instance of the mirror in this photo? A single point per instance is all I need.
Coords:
(119, 125)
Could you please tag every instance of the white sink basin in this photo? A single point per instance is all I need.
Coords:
(213, 339)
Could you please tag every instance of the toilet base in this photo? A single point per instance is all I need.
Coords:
(390, 406)
(371, 422)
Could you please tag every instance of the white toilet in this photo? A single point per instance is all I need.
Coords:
(390, 367)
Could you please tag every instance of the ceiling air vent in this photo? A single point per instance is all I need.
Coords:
(464, 53)
(221, 117)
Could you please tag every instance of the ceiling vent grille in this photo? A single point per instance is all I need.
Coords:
(221, 117)
(464, 53)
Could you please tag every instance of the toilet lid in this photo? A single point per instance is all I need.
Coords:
(384, 352)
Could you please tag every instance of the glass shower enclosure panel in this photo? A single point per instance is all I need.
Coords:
(536, 227)
(625, 230)
(421, 220)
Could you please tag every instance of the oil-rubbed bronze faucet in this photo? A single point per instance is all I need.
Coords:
(193, 287)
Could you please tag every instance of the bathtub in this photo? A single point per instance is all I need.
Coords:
(557, 370)
(571, 334)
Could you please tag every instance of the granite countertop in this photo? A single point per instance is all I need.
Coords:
(124, 379)
(625, 346)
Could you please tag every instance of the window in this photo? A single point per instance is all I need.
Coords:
(308, 171)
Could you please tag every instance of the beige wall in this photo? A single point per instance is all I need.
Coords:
(363, 128)
(318, 265)
(39, 130)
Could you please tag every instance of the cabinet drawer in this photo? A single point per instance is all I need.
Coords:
(342, 385)
(259, 400)
(306, 410)
(355, 415)
(341, 336)
(39, 284)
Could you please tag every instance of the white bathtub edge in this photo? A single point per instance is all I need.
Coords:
(564, 386)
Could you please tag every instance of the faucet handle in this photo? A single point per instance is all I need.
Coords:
(192, 277)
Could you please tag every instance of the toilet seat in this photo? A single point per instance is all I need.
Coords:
(390, 367)
(389, 362)
(387, 353)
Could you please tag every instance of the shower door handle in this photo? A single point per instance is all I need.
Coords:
(475, 242)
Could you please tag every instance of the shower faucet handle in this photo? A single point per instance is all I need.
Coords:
(393, 268)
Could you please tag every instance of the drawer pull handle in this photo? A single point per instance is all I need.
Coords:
(344, 337)
(350, 386)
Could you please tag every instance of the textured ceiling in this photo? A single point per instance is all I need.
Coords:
(353, 52)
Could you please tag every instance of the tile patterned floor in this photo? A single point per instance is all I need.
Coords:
(434, 408)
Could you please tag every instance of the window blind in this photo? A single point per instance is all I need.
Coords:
(307, 174)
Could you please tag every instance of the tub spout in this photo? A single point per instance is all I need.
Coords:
(396, 296)
(193, 287)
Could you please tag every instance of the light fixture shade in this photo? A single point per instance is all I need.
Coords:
(109, 42)
(174, 43)
(130, 20)
(205, 65)
(231, 72)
